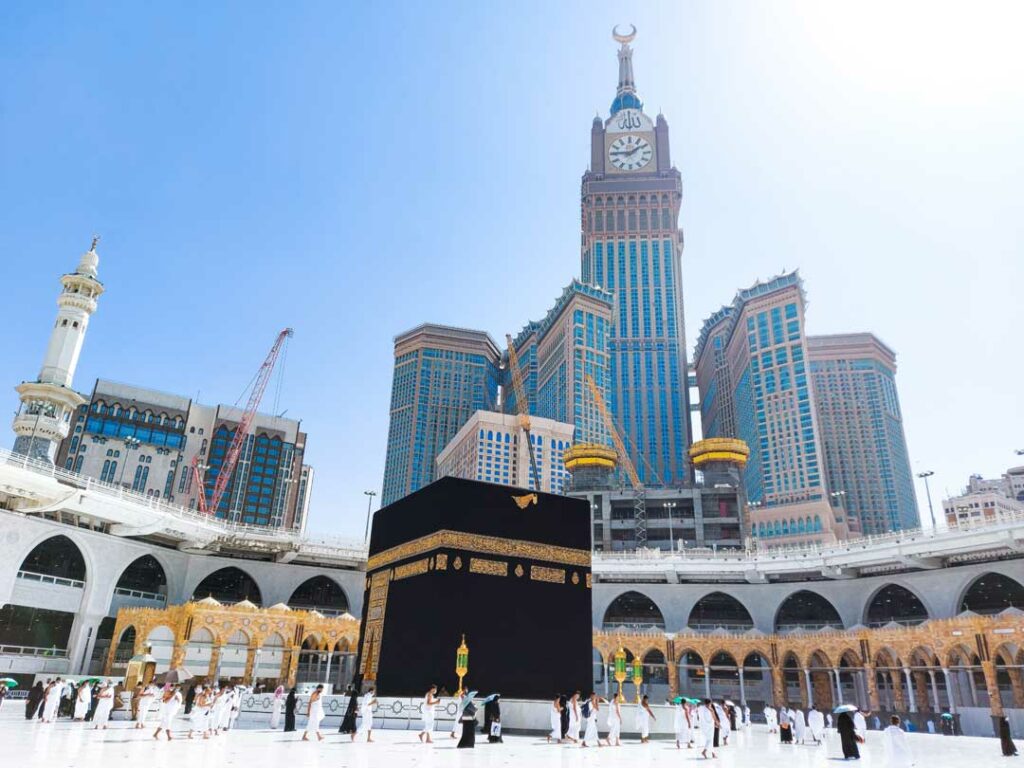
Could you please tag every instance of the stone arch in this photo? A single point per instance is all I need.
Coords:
(160, 640)
(229, 584)
(655, 672)
(199, 651)
(143, 574)
(635, 610)
(990, 593)
(57, 556)
(270, 659)
(718, 609)
(894, 602)
(124, 647)
(692, 678)
(234, 653)
(818, 659)
(321, 593)
(805, 609)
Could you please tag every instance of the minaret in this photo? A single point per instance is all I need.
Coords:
(47, 404)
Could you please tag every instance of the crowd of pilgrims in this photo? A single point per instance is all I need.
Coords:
(705, 724)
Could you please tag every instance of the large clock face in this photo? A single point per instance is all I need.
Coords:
(630, 153)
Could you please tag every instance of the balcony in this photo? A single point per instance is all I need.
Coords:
(54, 592)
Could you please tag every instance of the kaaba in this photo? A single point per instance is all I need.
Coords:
(506, 568)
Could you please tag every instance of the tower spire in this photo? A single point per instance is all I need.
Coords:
(625, 93)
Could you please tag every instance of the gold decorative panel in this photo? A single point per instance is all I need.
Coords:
(489, 567)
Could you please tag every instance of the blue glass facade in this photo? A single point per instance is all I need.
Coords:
(862, 431)
(441, 377)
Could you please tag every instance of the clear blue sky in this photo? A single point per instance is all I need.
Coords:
(353, 169)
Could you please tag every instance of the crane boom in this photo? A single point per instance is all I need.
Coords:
(522, 406)
(639, 492)
(244, 425)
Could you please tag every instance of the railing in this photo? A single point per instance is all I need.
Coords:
(29, 650)
(755, 553)
(329, 546)
(140, 594)
(44, 578)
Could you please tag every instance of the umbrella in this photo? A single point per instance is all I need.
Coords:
(174, 676)
(693, 701)
(844, 708)
(90, 680)
(946, 716)
(491, 698)
(678, 700)
(729, 703)
(8, 682)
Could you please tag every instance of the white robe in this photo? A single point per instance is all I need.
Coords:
(816, 724)
(679, 726)
(366, 713)
(104, 703)
(860, 725)
(590, 734)
(316, 714)
(225, 713)
(799, 725)
(51, 704)
(275, 711)
(706, 721)
(148, 702)
(643, 721)
(614, 723)
(897, 747)
(217, 711)
(83, 700)
(556, 723)
(169, 710)
(771, 718)
(746, 716)
(574, 720)
(429, 713)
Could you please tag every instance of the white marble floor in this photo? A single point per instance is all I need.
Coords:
(76, 745)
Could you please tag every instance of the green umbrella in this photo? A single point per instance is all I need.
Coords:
(8, 682)
(90, 680)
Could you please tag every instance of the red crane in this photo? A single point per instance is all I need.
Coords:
(242, 431)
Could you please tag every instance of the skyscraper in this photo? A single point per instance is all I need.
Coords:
(558, 352)
(865, 450)
(47, 404)
(442, 376)
(632, 247)
(751, 362)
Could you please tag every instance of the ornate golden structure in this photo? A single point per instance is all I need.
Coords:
(719, 449)
(316, 631)
(910, 663)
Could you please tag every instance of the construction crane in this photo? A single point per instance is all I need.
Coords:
(522, 405)
(242, 431)
(639, 492)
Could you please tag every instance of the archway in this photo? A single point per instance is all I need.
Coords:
(144, 578)
(724, 676)
(719, 610)
(793, 683)
(101, 646)
(693, 679)
(229, 585)
(161, 643)
(321, 594)
(233, 656)
(991, 593)
(756, 682)
(655, 672)
(967, 678)
(58, 558)
(822, 681)
(634, 611)
(601, 674)
(853, 687)
(125, 649)
(806, 610)
(269, 663)
(199, 652)
(312, 665)
(893, 603)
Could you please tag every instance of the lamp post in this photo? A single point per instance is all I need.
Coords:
(461, 663)
(928, 491)
(130, 444)
(670, 505)
(620, 671)
(369, 504)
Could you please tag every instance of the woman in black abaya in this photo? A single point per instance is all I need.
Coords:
(1009, 750)
(847, 736)
(289, 711)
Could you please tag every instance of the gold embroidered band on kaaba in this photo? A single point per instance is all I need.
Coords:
(480, 544)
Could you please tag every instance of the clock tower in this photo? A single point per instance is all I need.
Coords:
(632, 247)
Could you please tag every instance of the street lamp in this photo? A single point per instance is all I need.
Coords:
(670, 505)
(369, 503)
(130, 444)
(924, 476)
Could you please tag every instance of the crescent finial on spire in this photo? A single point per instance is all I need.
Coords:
(624, 39)
(95, 240)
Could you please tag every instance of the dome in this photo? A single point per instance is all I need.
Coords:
(88, 263)
(208, 600)
(246, 604)
(279, 607)
(626, 101)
